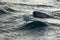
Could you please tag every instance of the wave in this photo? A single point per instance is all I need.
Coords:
(36, 5)
(28, 4)
(3, 3)
(9, 9)
(3, 12)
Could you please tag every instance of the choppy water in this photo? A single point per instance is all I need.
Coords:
(11, 19)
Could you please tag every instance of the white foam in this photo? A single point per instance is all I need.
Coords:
(55, 21)
(30, 1)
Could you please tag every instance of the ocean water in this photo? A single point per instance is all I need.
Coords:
(14, 14)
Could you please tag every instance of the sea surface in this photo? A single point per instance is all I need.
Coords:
(13, 15)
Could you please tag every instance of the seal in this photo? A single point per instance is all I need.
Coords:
(41, 15)
(33, 25)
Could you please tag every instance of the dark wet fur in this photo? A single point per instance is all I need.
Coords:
(33, 25)
(41, 15)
